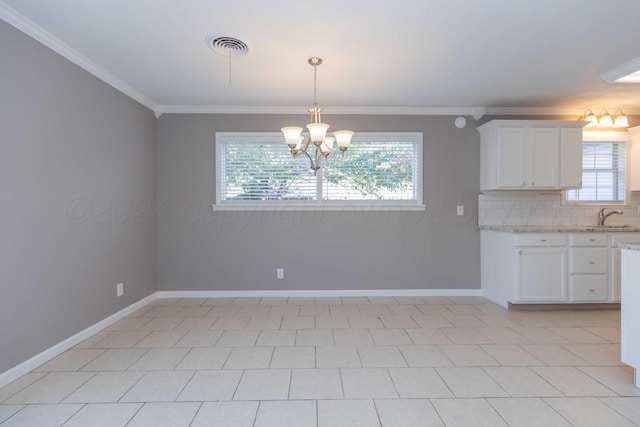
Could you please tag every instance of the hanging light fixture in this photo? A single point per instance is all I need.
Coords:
(299, 144)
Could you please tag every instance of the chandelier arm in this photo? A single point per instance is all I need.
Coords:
(319, 156)
(313, 166)
(306, 144)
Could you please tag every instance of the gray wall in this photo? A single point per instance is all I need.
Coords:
(199, 249)
(77, 191)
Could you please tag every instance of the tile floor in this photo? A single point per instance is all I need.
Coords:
(405, 361)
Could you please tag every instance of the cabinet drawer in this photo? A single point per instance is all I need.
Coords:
(588, 288)
(618, 239)
(539, 239)
(588, 260)
(588, 239)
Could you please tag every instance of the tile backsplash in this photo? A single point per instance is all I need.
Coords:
(547, 208)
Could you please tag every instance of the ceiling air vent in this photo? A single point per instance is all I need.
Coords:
(227, 46)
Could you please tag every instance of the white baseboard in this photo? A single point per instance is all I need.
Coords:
(323, 293)
(41, 358)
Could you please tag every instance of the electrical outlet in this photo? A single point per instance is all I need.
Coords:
(280, 273)
(460, 210)
(120, 289)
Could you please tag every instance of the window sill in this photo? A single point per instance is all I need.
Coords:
(318, 207)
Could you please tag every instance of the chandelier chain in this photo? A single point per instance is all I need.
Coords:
(315, 85)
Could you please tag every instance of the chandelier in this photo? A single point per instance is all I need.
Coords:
(323, 143)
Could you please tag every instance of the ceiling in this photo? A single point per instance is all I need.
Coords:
(379, 55)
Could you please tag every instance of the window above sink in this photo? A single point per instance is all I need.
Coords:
(604, 170)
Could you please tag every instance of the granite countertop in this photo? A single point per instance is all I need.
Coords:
(561, 228)
(630, 246)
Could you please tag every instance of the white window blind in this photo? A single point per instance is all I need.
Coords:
(379, 169)
(263, 170)
(372, 170)
(603, 172)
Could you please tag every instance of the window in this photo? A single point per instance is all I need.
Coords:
(604, 170)
(379, 170)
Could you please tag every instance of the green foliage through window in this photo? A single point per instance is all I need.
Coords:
(259, 167)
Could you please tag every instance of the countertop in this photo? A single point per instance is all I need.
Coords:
(561, 229)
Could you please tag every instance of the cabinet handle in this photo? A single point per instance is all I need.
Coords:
(543, 240)
(519, 252)
(592, 290)
(524, 183)
(592, 240)
(592, 262)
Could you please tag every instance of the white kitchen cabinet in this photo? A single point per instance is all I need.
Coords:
(588, 267)
(555, 267)
(523, 267)
(616, 241)
(543, 160)
(530, 154)
(570, 158)
(630, 312)
(511, 154)
(541, 274)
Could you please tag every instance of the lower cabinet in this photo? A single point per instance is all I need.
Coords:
(531, 268)
(588, 267)
(541, 275)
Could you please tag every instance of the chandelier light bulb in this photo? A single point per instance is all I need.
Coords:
(292, 135)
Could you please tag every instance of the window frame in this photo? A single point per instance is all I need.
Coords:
(607, 136)
(320, 204)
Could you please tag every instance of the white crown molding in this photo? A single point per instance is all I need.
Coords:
(36, 32)
(475, 112)
(551, 111)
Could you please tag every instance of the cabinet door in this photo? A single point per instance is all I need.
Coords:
(541, 275)
(543, 160)
(511, 157)
(570, 158)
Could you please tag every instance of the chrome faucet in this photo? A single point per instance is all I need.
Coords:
(602, 217)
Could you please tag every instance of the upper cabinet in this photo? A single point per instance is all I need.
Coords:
(530, 154)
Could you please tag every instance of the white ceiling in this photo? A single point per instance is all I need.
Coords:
(403, 55)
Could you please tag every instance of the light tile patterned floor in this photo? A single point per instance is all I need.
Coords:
(331, 362)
